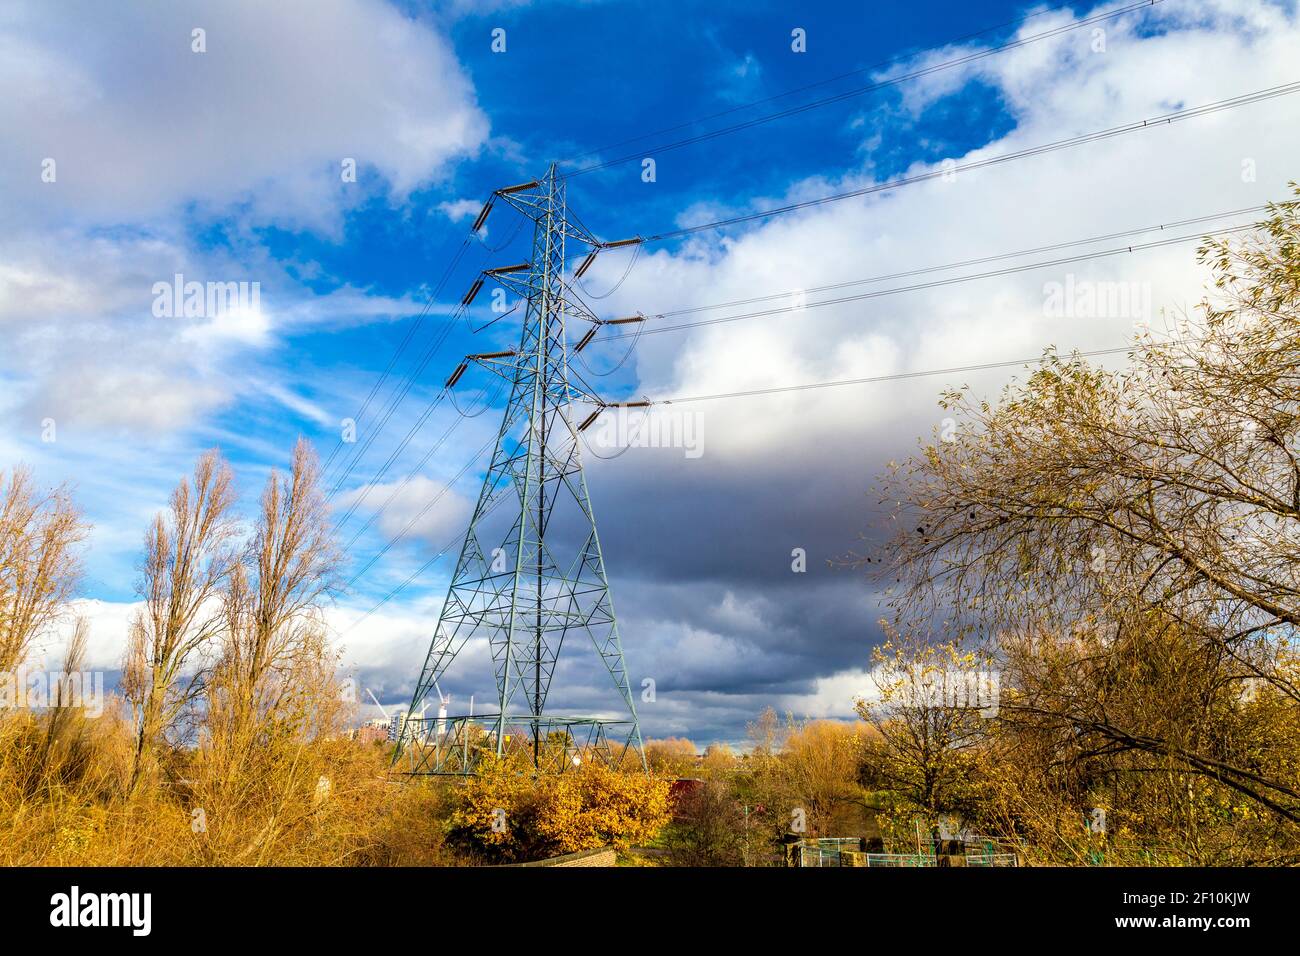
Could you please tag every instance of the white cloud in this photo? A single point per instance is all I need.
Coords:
(153, 141)
(138, 123)
(461, 209)
(413, 504)
(1056, 88)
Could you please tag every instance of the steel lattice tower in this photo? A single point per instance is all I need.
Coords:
(542, 582)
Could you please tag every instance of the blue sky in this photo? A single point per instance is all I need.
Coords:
(225, 165)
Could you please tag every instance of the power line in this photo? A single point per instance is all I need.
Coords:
(920, 286)
(414, 471)
(983, 260)
(1164, 119)
(360, 499)
(849, 94)
(398, 396)
(401, 446)
(418, 571)
(809, 386)
(405, 584)
(402, 346)
(897, 376)
(421, 513)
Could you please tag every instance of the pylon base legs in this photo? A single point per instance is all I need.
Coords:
(456, 746)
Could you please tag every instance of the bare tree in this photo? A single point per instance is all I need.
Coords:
(39, 566)
(272, 630)
(187, 561)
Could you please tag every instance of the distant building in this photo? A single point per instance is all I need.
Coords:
(374, 730)
(396, 724)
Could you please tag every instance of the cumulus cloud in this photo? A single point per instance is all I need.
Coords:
(461, 209)
(138, 122)
(120, 142)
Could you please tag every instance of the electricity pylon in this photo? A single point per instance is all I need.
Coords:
(530, 573)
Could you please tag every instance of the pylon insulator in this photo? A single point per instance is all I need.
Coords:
(586, 264)
(455, 376)
(473, 291)
(517, 189)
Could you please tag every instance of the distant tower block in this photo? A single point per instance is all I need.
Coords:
(531, 575)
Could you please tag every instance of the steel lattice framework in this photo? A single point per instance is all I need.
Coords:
(542, 582)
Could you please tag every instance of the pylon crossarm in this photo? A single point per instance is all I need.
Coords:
(575, 230)
(530, 201)
(501, 364)
(520, 283)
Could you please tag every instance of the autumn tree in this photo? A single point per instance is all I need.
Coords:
(671, 757)
(821, 762)
(273, 640)
(186, 564)
(1102, 504)
(801, 776)
(709, 827)
(505, 813)
(39, 564)
(929, 712)
(1160, 732)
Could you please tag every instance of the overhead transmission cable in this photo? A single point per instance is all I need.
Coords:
(360, 499)
(393, 403)
(398, 396)
(894, 377)
(921, 286)
(1163, 119)
(336, 482)
(491, 506)
(402, 346)
(419, 466)
(982, 260)
(422, 512)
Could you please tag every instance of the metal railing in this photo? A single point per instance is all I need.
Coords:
(846, 851)
(826, 851)
(901, 859)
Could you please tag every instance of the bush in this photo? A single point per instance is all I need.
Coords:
(505, 815)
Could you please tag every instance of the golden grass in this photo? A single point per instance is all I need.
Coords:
(284, 801)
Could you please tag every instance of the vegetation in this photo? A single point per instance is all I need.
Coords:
(1126, 547)
(229, 745)
(1093, 587)
(505, 813)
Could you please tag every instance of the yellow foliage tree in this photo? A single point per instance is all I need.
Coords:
(504, 814)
